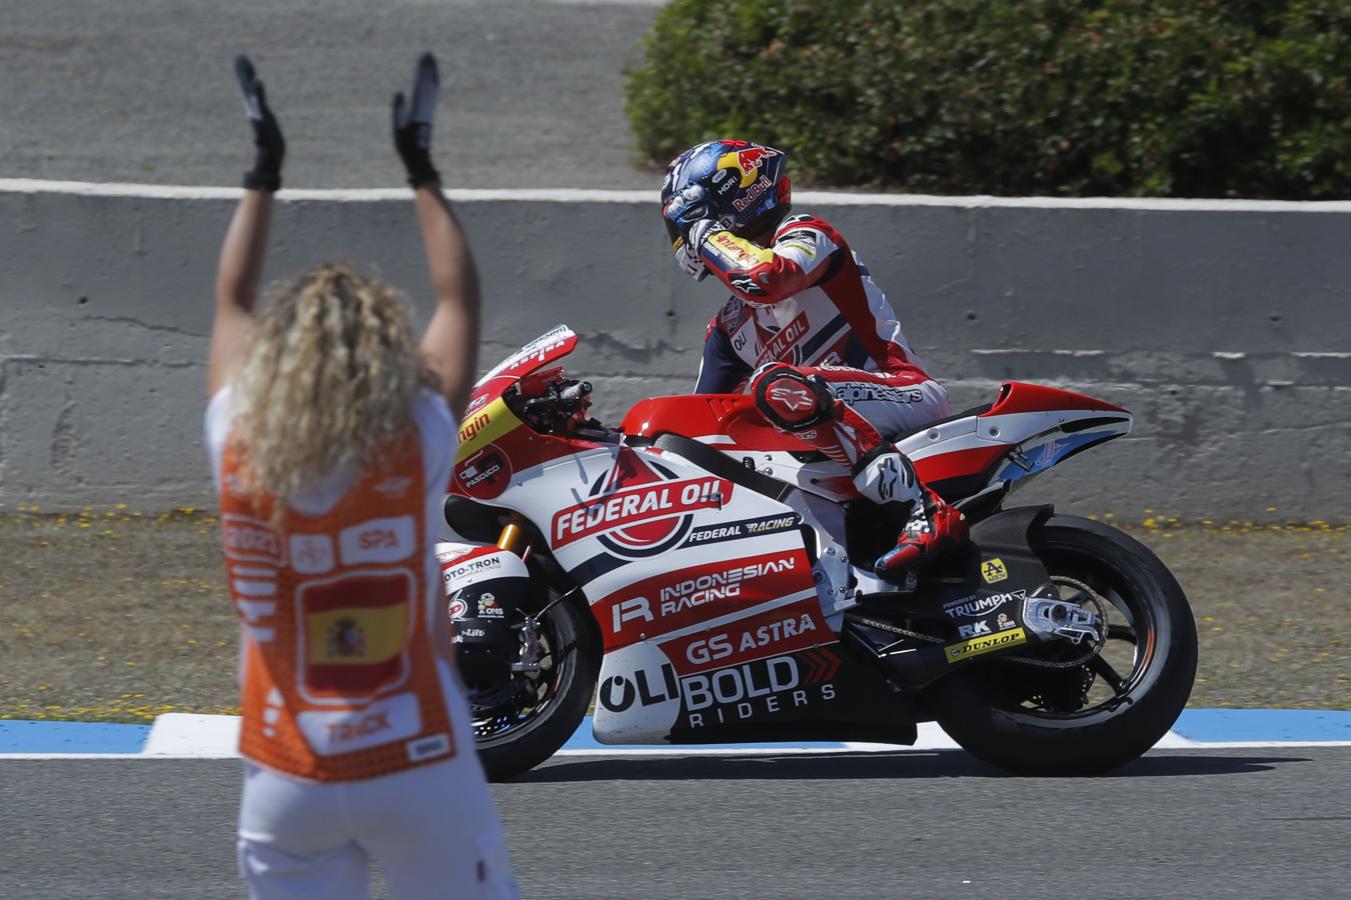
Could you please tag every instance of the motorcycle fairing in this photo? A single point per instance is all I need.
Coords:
(498, 451)
(1030, 426)
(486, 589)
(552, 345)
(1033, 427)
(653, 521)
(733, 610)
(818, 692)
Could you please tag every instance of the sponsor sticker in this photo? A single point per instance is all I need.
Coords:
(783, 630)
(480, 429)
(735, 253)
(777, 346)
(619, 692)
(731, 531)
(648, 503)
(312, 554)
(974, 605)
(345, 731)
(993, 570)
(476, 567)
(251, 540)
(394, 487)
(974, 629)
(457, 608)
(985, 644)
(488, 607)
(378, 541)
(859, 392)
(753, 193)
(454, 553)
(664, 603)
(486, 474)
(762, 688)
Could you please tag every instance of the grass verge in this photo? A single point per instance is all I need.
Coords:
(116, 616)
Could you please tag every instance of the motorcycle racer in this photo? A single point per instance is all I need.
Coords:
(807, 332)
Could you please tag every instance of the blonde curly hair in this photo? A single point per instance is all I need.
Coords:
(331, 375)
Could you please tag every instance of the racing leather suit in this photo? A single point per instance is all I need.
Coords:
(808, 305)
(812, 337)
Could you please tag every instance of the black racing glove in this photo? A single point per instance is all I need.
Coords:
(413, 123)
(267, 140)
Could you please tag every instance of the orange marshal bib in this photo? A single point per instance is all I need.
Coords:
(339, 673)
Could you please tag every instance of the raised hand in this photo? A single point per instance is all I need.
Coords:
(267, 140)
(413, 123)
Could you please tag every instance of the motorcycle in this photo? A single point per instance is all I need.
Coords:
(707, 579)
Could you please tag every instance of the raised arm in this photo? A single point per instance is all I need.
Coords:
(450, 344)
(241, 256)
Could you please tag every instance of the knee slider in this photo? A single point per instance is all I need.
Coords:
(792, 401)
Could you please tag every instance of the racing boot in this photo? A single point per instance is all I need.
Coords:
(932, 527)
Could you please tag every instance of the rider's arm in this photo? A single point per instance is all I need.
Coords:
(721, 371)
(240, 269)
(450, 344)
(798, 258)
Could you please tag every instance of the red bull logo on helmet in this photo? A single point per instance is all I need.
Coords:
(747, 162)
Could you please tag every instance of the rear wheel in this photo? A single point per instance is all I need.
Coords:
(521, 724)
(1065, 710)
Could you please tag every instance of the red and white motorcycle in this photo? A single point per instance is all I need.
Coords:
(706, 578)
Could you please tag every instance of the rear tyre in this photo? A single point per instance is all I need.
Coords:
(1092, 718)
(515, 736)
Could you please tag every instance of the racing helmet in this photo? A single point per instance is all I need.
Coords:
(744, 186)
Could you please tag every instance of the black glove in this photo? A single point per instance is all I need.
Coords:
(413, 123)
(271, 147)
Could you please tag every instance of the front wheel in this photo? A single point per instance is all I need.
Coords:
(1048, 713)
(523, 723)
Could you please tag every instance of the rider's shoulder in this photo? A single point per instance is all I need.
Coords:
(806, 223)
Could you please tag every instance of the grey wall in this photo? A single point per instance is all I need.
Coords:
(1226, 331)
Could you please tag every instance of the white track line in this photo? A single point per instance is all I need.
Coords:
(578, 195)
(1166, 744)
(189, 736)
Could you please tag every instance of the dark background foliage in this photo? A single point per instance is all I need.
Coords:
(1184, 98)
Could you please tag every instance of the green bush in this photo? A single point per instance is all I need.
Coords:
(1184, 98)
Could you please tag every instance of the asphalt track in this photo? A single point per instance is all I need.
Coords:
(1207, 823)
(143, 90)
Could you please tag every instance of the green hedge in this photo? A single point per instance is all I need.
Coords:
(1184, 98)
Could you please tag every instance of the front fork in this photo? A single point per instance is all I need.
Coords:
(515, 539)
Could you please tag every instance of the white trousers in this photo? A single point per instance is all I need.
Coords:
(434, 831)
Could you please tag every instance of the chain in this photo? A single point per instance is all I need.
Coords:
(1092, 651)
(1021, 660)
(894, 629)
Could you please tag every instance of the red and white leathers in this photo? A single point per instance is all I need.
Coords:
(814, 339)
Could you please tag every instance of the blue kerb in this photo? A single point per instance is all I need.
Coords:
(26, 736)
(1207, 725)
(1200, 725)
(583, 740)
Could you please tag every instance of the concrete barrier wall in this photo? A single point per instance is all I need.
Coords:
(1226, 327)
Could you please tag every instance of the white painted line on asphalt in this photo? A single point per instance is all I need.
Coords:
(1250, 745)
(189, 736)
(1170, 742)
(583, 195)
(349, 195)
